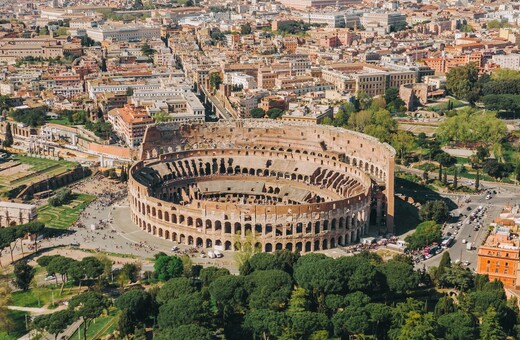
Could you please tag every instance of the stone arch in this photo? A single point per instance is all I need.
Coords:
(299, 246)
(227, 227)
(166, 216)
(227, 245)
(308, 246)
(160, 232)
(325, 245)
(199, 242)
(209, 243)
(190, 221)
(279, 246)
(166, 234)
(268, 247)
(190, 240)
(289, 246)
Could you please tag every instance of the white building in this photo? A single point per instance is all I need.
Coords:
(124, 33)
(509, 61)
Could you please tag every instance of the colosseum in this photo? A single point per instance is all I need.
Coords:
(283, 185)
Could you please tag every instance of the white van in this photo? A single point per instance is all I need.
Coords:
(211, 254)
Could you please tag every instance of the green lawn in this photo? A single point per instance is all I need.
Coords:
(64, 216)
(17, 329)
(60, 121)
(444, 106)
(39, 164)
(41, 296)
(101, 326)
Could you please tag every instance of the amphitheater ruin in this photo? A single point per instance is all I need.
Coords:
(283, 185)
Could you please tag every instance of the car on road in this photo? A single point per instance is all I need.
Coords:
(488, 197)
(50, 277)
(175, 248)
(464, 241)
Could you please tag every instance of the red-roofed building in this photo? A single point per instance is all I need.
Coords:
(129, 123)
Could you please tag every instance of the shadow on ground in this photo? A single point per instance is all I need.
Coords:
(406, 213)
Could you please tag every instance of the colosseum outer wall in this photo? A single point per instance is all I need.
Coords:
(366, 158)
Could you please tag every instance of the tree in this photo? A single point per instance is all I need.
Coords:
(359, 120)
(445, 160)
(351, 321)
(55, 323)
(491, 328)
(265, 323)
(364, 100)
(175, 288)
(304, 324)
(426, 233)
(257, 113)
(458, 326)
(274, 113)
(229, 295)
(137, 306)
(147, 50)
(443, 264)
(24, 274)
(403, 142)
(131, 271)
(444, 306)
(461, 81)
(210, 274)
(215, 80)
(168, 267)
(245, 29)
(400, 276)
(8, 141)
(89, 306)
(161, 116)
(185, 310)
(457, 277)
(191, 331)
(437, 211)
(419, 326)
(269, 289)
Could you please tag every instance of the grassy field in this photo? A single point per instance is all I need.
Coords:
(101, 326)
(40, 296)
(444, 106)
(60, 121)
(64, 216)
(17, 330)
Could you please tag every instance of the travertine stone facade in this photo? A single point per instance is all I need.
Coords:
(290, 185)
(12, 214)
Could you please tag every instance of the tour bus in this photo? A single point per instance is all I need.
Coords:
(447, 242)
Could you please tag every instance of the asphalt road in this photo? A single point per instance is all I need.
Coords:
(458, 250)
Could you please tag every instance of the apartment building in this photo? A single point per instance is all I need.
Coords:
(509, 61)
(499, 257)
(129, 123)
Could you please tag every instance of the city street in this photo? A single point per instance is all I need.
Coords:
(458, 249)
